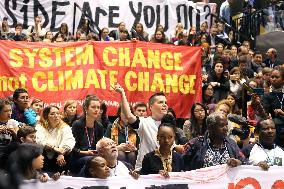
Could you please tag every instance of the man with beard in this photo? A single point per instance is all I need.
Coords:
(265, 153)
(147, 128)
(214, 148)
(107, 149)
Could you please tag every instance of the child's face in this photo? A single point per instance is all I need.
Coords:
(31, 138)
(37, 163)
(37, 107)
(100, 168)
(266, 76)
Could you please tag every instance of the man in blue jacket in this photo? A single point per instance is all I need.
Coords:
(21, 110)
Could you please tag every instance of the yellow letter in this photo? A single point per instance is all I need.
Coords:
(92, 79)
(112, 78)
(128, 76)
(50, 82)
(74, 81)
(167, 61)
(113, 62)
(13, 83)
(61, 80)
(86, 56)
(45, 60)
(31, 56)
(35, 81)
(191, 83)
(57, 52)
(23, 79)
(177, 57)
(15, 59)
(171, 82)
(139, 58)
(183, 87)
(3, 85)
(154, 59)
(69, 55)
(157, 83)
(143, 81)
(124, 59)
(103, 78)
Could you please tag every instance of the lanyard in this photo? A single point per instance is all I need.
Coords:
(281, 102)
(90, 141)
(126, 134)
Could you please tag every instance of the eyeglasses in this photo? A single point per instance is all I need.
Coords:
(54, 114)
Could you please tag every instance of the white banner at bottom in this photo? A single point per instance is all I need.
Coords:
(218, 177)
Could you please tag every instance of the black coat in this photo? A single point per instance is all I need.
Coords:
(152, 164)
(79, 133)
(222, 91)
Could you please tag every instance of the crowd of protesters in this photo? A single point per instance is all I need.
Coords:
(43, 142)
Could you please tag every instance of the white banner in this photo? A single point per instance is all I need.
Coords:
(108, 13)
(218, 177)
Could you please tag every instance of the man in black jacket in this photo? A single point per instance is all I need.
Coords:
(272, 61)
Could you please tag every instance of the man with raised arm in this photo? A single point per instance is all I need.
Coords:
(147, 128)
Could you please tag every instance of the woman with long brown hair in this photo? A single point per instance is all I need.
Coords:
(87, 131)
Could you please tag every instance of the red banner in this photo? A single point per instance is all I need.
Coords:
(56, 72)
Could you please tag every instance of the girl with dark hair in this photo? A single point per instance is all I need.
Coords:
(196, 125)
(87, 131)
(233, 100)
(163, 160)
(208, 98)
(27, 161)
(63, 32)
(56, 137)
(192, 38)
(159, 37)
(139, 33)
(218, 81)
(126, 138)
(96, 167)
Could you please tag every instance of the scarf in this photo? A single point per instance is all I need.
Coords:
(118, 129)
(167, 162)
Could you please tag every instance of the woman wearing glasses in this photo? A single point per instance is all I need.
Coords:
(56, 137)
